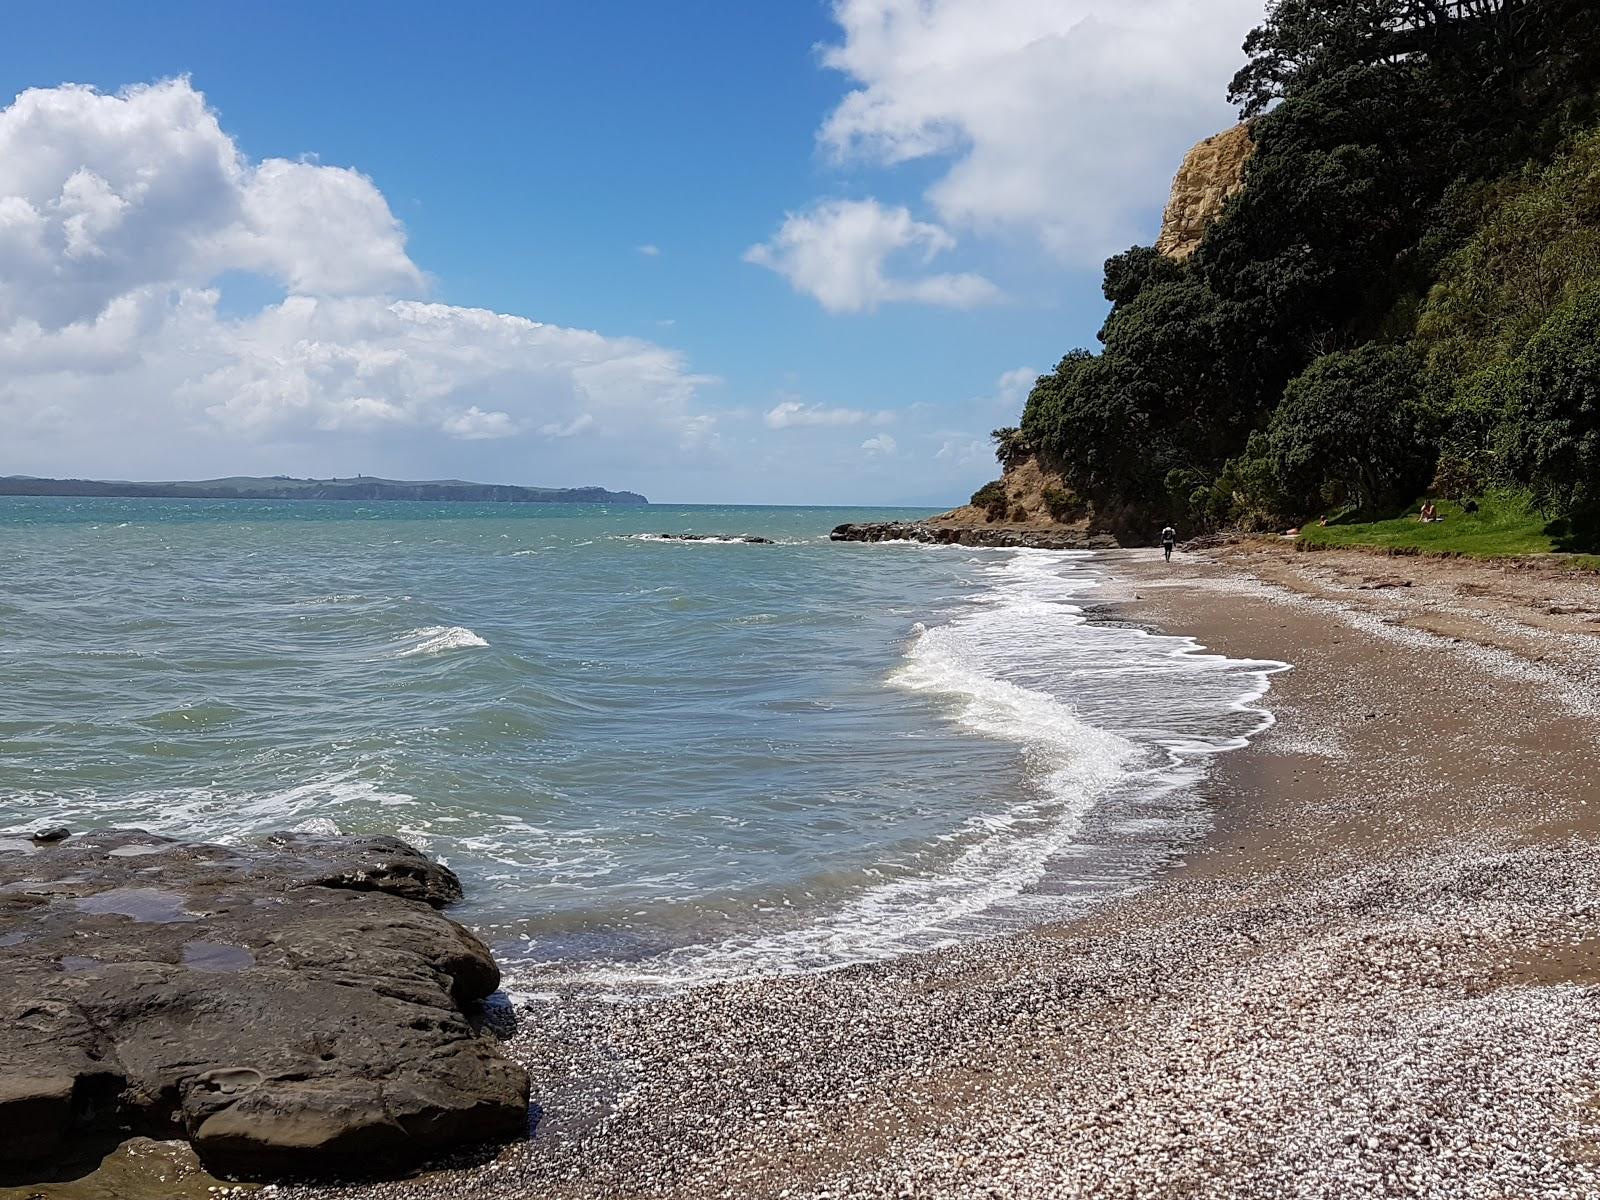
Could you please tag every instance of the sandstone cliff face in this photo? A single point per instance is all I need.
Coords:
(1211, 174)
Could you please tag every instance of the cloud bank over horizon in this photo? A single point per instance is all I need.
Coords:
(120, 214)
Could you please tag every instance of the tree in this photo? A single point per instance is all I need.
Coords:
(1354, 427)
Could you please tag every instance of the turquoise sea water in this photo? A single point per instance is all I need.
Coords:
(648, 760)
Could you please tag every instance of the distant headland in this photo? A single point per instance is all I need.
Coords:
(286, 487)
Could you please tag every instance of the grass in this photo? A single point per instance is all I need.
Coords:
(1503, 527)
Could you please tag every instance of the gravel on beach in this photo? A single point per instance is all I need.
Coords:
(1379, 977)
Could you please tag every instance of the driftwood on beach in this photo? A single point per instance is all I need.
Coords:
(300, 1008)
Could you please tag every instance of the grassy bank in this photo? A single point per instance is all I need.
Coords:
(1504, 526)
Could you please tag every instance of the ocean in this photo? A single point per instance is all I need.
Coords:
(652, 762)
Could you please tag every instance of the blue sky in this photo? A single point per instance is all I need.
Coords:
(951, 172)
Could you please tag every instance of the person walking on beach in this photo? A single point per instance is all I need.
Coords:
(1168, 536)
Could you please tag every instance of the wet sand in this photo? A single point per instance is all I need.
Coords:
(1377, 976)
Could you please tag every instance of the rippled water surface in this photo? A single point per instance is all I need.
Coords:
(648, 759)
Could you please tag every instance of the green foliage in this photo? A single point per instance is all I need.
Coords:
(1455, 478)
(1538, 246)
(1352, 430)
(1062, 504)
(1397, 295)
(1129, 273)
(991, 497)
(1011, 446)
(1553, 440)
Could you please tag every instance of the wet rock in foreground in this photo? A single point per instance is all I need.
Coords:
(973, 535)
(295, 1009)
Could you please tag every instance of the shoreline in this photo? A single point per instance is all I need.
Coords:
(1375, 975)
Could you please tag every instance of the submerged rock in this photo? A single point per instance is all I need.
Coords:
(297, 1009)
(974, 535)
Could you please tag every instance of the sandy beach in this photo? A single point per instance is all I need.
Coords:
(1376, 977)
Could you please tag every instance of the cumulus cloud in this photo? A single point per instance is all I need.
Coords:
(101, 195)
(789, 414)
(839, 253)
(1062, 120)
(120, 213)
(882, 444)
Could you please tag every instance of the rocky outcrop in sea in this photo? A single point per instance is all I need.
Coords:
(973, 535)
(298, 1008)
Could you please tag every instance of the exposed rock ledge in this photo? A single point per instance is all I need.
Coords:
(1212, 174)
(292, 1010)
(974, 535)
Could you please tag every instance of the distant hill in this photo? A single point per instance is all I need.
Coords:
(284, 487)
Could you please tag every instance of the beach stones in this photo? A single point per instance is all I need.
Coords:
(296, 1009)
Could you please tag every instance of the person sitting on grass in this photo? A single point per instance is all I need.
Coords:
(1429, 513)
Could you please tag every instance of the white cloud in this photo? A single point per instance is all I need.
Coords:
(1064, 120)
(100, 195)
(649, 250)
(1012, 388)
(475, 424)
(119, 214)
(882, 444)
(788, 414)
(570, 429)
(839, 253)
(964, 451)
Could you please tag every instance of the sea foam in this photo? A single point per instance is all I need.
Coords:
(438, 639)
(1103, 717)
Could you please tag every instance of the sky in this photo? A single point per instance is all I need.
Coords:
(809, 251)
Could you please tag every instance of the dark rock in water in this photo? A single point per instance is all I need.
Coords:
(748, 539)
(296, 1009)
(59, 834)
(974, 535)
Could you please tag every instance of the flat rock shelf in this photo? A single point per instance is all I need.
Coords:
(294, 1009)
(973, 535)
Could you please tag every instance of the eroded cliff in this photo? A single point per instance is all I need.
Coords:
(1211, 174)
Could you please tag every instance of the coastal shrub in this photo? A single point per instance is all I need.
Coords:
(1011, 446)
(992, 498)
(1537, 246)
(1061, 504)
(1127, 274)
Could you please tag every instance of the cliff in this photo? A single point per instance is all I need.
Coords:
(1211, 174)
(1021, 498)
